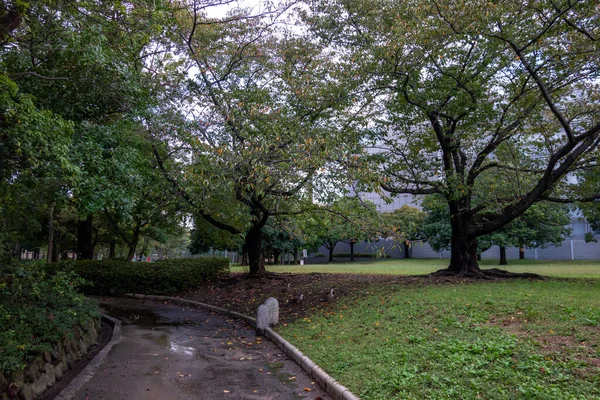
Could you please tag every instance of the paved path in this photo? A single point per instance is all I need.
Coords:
(172, 352)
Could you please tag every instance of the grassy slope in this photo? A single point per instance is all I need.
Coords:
(574, 269)
(501, 339)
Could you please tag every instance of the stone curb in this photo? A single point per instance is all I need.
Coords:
(331, 386)
(68, 392)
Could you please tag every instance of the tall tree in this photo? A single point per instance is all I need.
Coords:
(461, 86)
(84, 62)
(266, 122)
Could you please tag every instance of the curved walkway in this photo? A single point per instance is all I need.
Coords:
(169, 351)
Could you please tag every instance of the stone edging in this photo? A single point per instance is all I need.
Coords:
(331, 386)
(68, 392)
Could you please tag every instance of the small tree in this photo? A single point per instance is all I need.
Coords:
(406, 225)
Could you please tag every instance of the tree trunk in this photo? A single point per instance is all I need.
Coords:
(244, 260)
(503, 256)
(521, 252)
(85, 246)
(463, 252)
(463, 258)
(50, 232)
(253, 243)
(352, 243)
(112, 249)
(406, 250)
(295, 256)
(133, 244)
(330, 247)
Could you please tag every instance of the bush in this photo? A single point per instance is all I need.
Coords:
(361, 255)
(161, 277)
(36, 310)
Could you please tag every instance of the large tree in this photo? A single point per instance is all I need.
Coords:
(265, 121)
(468, 89)
(85, 63)
(543, 224)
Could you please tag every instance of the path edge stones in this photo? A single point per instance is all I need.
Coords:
(331, 386)
(90, 370)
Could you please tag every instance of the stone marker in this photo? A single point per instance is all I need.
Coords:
(267, 315)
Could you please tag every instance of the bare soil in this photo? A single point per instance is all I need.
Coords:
(241, 293)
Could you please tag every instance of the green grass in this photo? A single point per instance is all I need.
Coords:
(484, 340)
(573, 269)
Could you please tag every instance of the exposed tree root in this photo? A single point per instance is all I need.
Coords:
(491, 273)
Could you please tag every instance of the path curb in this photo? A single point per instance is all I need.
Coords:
(86, 374)
(331, 386)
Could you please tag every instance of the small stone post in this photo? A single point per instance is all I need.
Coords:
(267, 315)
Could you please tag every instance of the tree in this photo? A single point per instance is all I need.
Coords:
(347, 219)
(541, 225)
(205, 237)
(466, 89)
(405, 223)
(266, 122)
(84, 63)
(282, 236)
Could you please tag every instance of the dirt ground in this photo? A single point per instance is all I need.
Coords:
(241, 293)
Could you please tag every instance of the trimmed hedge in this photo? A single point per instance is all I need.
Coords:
(361, 255)
(161, 277)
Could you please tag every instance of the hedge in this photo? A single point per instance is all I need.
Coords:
(361, 255)
(36, 310)
(161, 277)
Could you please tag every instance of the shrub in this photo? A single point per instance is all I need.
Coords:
(161, 277)
(36, 310)
(361, 255)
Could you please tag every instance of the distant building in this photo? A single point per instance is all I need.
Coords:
(573, 248)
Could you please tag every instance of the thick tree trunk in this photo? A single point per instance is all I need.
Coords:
(352, 243)
(133, 244)
(406, 250)
(244, 260)
(463, 258)
(253, 243)
(503, 260)
(295, 256)
(85, 244)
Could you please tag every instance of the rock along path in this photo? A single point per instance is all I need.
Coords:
(170, 352)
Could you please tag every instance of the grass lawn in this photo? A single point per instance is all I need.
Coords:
(511, 339)
(574, 269)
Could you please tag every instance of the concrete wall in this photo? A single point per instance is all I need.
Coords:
(570, 249)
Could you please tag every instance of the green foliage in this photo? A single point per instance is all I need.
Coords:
(282, 235)
(541, 225)
(345, 220)
(406, 223)
(589, 187)
(489, 105)
(36, 310)
(161, 277)
(361, 255)
(205, 237)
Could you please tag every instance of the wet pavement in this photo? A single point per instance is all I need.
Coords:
(170, 352)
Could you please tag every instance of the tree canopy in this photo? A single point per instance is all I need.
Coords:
(474, 99)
